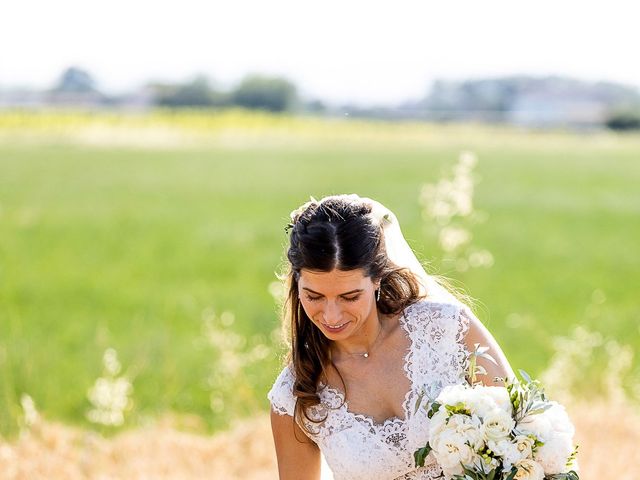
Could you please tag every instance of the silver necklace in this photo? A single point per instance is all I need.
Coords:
(366, 354)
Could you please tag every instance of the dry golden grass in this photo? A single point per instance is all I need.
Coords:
(609, 438)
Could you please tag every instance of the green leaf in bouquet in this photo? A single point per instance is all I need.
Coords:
(512, 474)
(570, 475)
(474, 369)
(420, 455)
(539, 408)
(572, 458)
(525, 376)
(470, 474)
(459, 408)
(435, 407)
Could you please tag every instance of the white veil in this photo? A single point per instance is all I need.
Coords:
(401, 254)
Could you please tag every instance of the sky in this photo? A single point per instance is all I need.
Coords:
(347, 51)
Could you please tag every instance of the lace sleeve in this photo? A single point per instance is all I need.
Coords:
(281, 394)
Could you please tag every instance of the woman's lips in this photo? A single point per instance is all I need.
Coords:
(335, 330)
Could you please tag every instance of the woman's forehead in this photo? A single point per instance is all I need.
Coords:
(335, 280)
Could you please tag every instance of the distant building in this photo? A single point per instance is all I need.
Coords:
(547, 109)
(22, 98)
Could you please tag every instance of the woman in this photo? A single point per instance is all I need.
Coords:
(370, 331)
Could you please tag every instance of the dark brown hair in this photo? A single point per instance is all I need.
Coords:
(337, 232)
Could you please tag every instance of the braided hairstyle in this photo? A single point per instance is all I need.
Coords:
(337, 232)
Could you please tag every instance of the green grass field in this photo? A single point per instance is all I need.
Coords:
(126, 247)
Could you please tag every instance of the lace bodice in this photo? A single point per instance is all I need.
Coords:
(354, 445)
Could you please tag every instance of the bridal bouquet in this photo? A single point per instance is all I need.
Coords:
(499, 433)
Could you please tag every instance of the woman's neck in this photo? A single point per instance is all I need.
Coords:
(363, 343)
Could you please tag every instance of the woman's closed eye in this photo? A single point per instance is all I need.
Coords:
(348, 299)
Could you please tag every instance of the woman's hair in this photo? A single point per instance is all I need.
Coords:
(337, 232)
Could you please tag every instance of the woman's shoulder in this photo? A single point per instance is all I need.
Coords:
(435, 308)
(281, 394)
(441, 316)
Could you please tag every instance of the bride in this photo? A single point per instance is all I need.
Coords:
(370, 332)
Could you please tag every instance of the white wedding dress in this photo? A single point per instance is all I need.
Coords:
(353, 445)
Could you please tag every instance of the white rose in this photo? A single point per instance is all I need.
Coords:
(497, 425)
(553, 455)
(528, 470)
(520, 448)
(451, 450)
(501, 447)
(524, 446)
(469, 429)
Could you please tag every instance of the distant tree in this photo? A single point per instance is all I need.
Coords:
(261, 92)
(315, 106)
(624, 121)
(196, 93)
(75, 80)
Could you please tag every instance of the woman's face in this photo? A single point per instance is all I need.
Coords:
(337, 302)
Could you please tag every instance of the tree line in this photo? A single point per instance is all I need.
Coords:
(534, 101)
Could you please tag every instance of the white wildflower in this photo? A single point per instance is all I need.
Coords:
(110, 394)
(452, 238)
(30, 413)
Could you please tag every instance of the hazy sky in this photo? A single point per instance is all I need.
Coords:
(378, 52)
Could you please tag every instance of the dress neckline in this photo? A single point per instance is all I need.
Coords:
(407, 361)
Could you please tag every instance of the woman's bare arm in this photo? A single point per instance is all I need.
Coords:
(298, 458)
(478, 333)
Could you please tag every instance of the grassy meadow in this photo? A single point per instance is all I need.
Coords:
(138, 232)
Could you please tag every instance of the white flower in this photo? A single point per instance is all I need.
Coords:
(497, 425)
(451, 451)
(469, 429)
(482, 464)
(454, 394)
(559, 419)
(501, 447)
(524, 445)
(529, 470)
(553, 455)
(499, 395)
(520, 448)
(438, 422)
(537, 425)
(545, 424)
(480, 403)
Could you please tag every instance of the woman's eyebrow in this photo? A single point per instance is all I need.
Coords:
(358, 290)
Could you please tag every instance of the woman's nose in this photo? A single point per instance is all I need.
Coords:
(332, 313)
